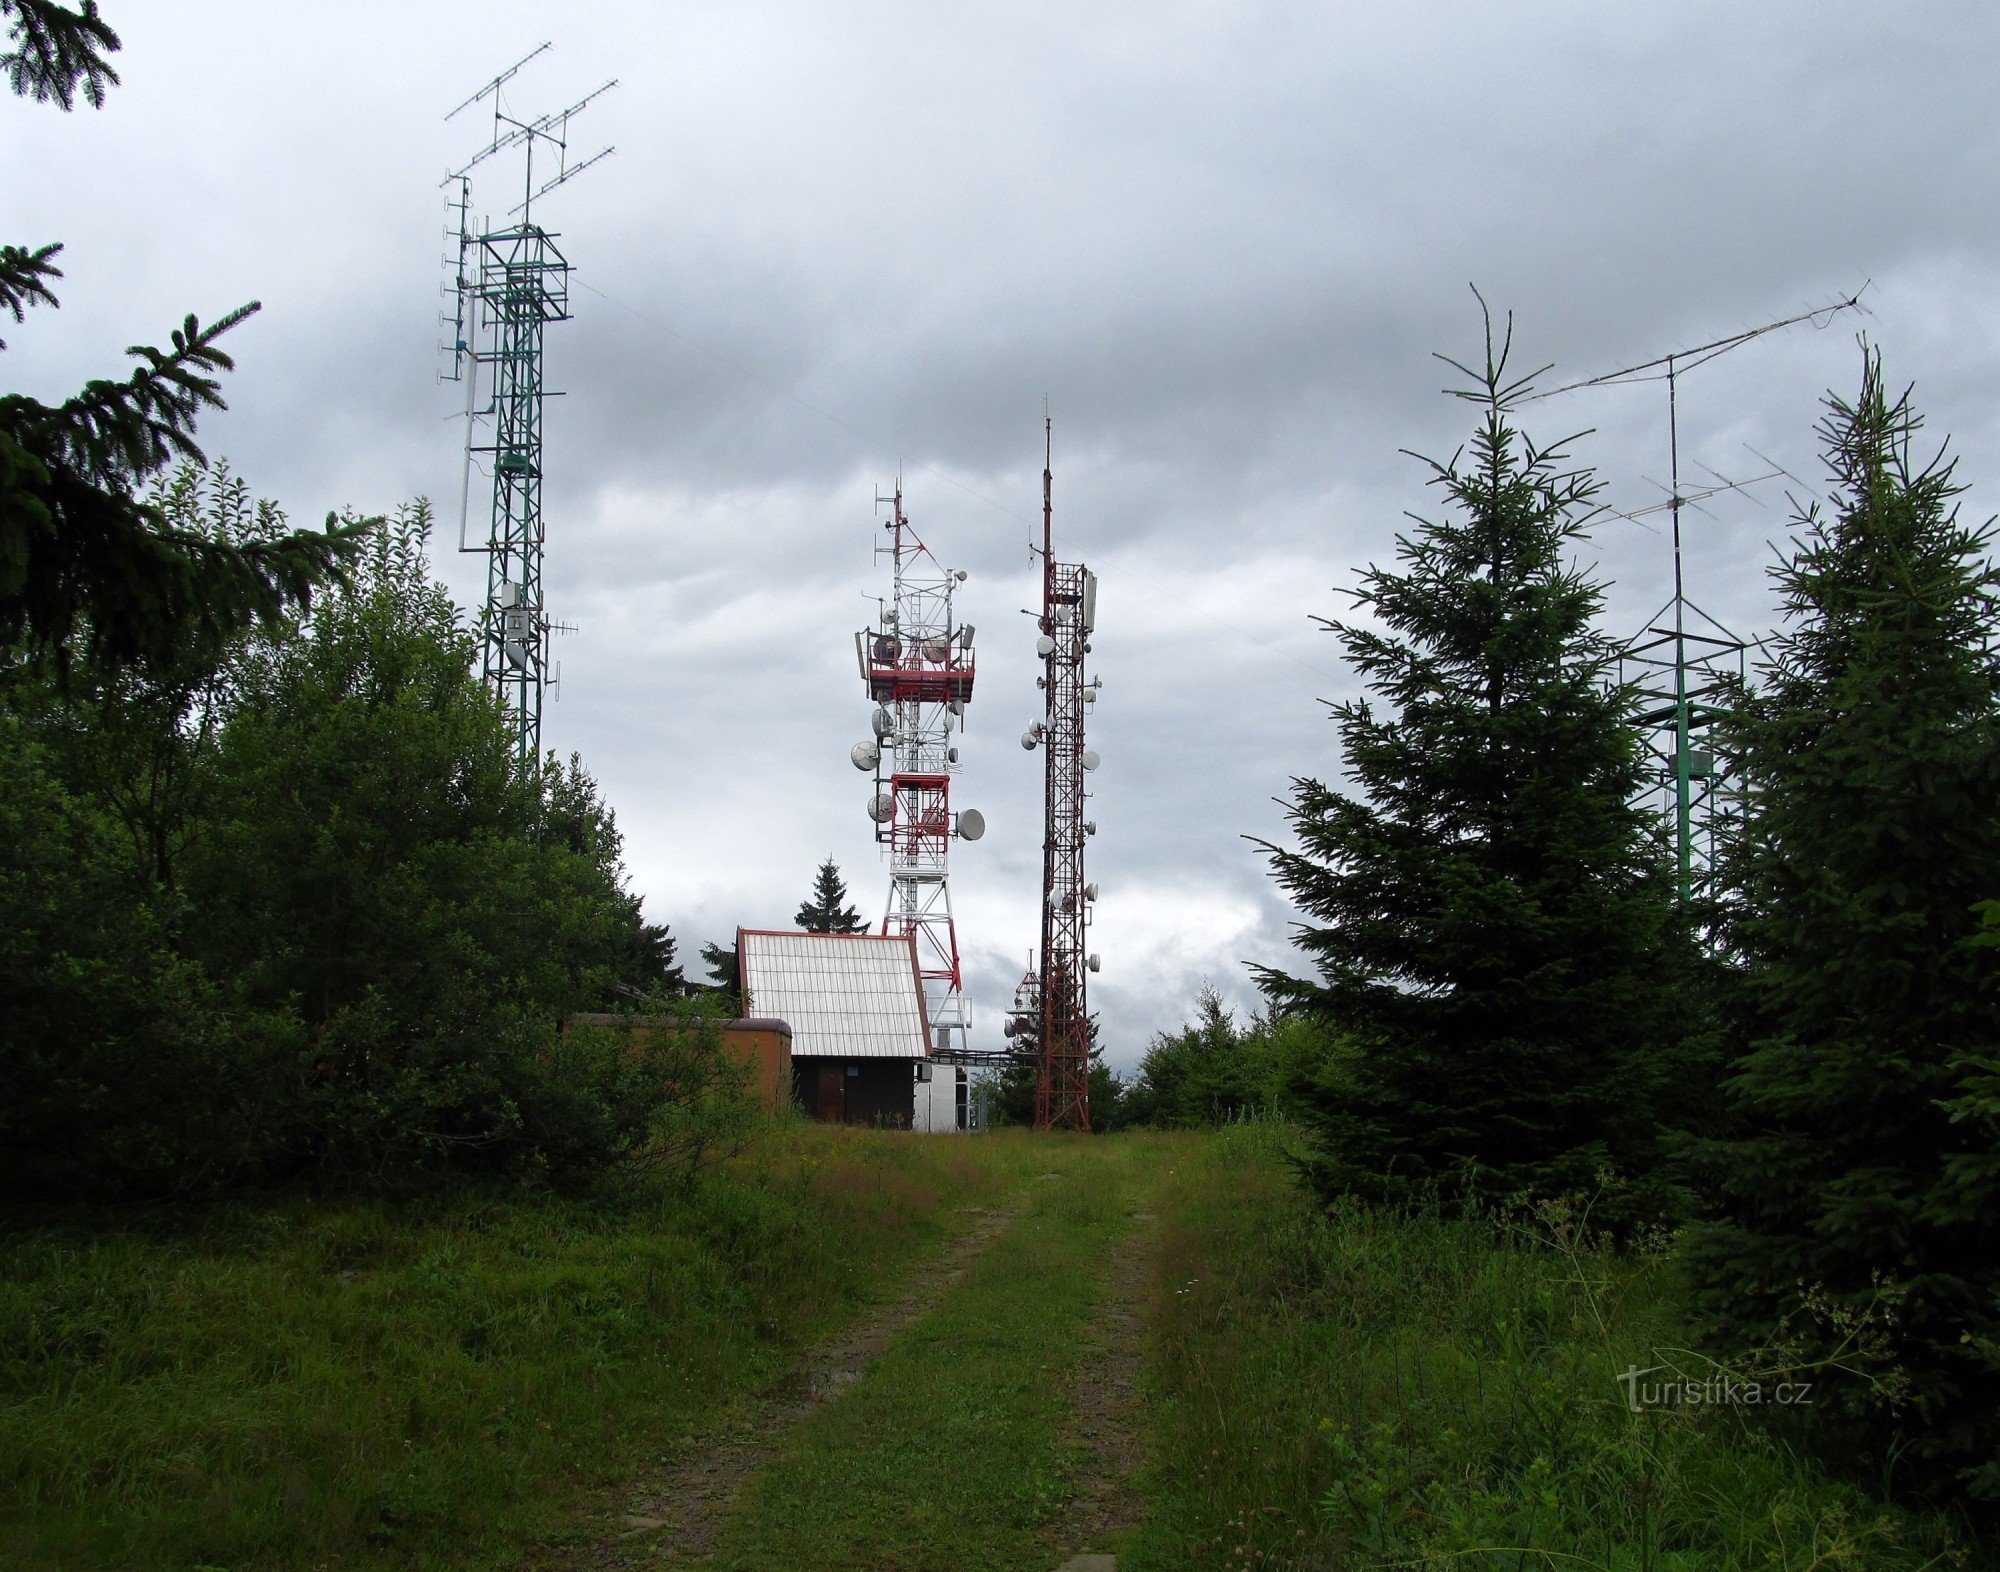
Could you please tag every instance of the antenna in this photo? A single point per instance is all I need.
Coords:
(509, 283)
(917, 666)
(1052, 999)
(501, 80)
(1685, 665)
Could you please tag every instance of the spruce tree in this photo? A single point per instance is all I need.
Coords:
(85, 562)
(1857, 1179)
(1494, 923)
(824, 910)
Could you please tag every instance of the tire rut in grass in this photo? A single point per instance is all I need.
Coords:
(674, 1518)
(1105, 1417)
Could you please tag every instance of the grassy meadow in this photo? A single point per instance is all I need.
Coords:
(426, 1382)
(455, 1381)
(1362, 1391)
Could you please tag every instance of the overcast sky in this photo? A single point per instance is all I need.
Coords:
(1223, 239)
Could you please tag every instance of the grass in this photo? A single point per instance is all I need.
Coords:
(431, 1382)
(950, 1453)
(1358, 1391)
(449, 1382)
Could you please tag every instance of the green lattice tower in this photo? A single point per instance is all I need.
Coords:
(1689, 671)
(522, 286)
(511, 283)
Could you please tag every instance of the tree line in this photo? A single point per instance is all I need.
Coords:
(1506, 1003)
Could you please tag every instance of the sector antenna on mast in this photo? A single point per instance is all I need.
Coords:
(509, 282)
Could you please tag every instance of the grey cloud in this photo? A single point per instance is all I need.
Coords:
(1223, 239)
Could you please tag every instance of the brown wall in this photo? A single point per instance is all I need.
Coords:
(764, 1045)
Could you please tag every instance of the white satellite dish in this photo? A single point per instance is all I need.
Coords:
(951, 755)
(1007, 1027)
(1045, 645)
(960, 575)
(865, 755)
(1028, 740)
(936, 649)
(1096, 963)
(884, 723)
(971, 825)
(1090, 892)
(1090, 759)
(881, 807)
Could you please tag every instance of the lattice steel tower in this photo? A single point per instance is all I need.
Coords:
(1052, 1001)
(1686, 669)
(511, 282)
(917, 665)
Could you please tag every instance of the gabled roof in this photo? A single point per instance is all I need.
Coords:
(846, 995)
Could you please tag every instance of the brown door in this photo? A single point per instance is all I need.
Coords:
(831, 1105)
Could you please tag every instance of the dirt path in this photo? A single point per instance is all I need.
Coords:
(1104, 1402)
(673, 1517)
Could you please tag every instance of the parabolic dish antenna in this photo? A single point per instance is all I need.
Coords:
(866, 755)
(971, 825)
(1090, 759)
(881, 807)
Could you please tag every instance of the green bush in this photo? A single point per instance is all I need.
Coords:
(122, 1066)
(300, 913)
(1214, 1071)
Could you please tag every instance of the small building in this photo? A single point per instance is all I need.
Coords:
(763, 1047)
(860, 1037)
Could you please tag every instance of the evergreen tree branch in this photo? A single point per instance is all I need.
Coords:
(115, 431)
(56, 50)
(24, 277)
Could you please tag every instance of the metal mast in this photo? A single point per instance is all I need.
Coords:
(917, 665)
(1054, 994)
(511, 282)
(1685, 666)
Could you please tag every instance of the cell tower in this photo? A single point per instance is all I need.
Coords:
(510, 283)
(917, 665)
(1685, 666)
(1052, 1000)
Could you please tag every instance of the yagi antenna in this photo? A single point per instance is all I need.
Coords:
(1683, 675)
(1664, 367)
(527, 130)
(495, 85)
(570, 172)
(510, 132)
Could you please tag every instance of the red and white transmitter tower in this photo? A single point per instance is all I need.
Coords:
(917, 665)
(1052, 1000)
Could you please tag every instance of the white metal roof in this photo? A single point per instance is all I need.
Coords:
(848, 996)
